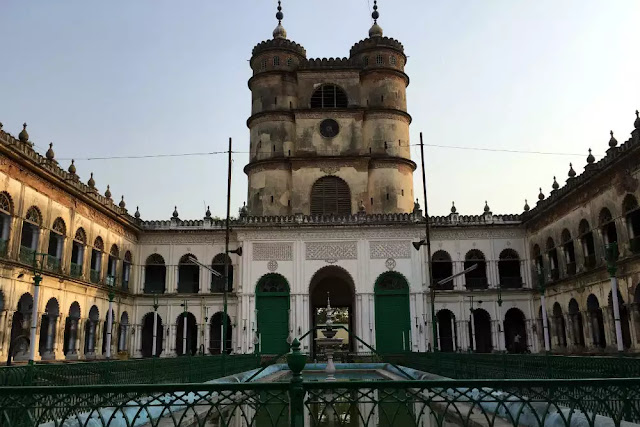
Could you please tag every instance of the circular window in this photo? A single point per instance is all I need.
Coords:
(329, 128)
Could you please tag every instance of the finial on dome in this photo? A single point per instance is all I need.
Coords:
(72, 167)
(175, 212)
(541, 195)
(590, 159)
(486, 207)
(636, 124)
(572, 173)
(453, 208)
(207, 214)
(555, 184)
(279, 32)
(23, 136)
(122, 204)
(50, 154)
(375, 30)
(526, 206)
(137, 214)
(612, 142)
(107, 193)
(91, 182)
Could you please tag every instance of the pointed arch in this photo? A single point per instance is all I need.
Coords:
(59, 226)
(6, 203)
(34, 215)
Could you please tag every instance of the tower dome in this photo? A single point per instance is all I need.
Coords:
(279, 32)
(375, 30)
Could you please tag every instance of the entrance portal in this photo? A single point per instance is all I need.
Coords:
(336, 284)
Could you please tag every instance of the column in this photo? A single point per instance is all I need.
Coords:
(48, 353)
(570, 332)
(609, 327)
(71, 344)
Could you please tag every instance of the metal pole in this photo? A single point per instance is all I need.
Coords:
(154, 342)
(109, 322)
(428, 240)
(226, 262)
(543, 306)
(34, 316)
(184, 329)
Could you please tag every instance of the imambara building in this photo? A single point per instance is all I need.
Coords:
(331, 209)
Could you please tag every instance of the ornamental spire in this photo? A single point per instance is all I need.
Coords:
(375, 30)
(279, 32)
(613, 142)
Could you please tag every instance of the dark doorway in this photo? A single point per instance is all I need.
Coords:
(482, 340)
(215, 334)
(191, 342)
(447, 331)
(147, 335)
(515, 331)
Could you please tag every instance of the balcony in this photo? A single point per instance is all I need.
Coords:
(635, 245)
(153, 287)
(571, 268)
(444, 287)
(27, 255)
(511, 282)
(111, 281)
(75, 270)
(94, 276)
(188, 287)
(476, 282)
(590, 261)
(53, 264)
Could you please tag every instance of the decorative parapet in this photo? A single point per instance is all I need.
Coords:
(279, 44)
(321, 63)
(376, 43)
(26, 153)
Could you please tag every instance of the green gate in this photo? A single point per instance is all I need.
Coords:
(272, 307)
(393, 319)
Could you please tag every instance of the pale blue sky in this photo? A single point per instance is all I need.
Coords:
(157, 76)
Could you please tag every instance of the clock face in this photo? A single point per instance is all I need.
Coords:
(329, 128)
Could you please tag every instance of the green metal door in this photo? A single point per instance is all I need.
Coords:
(272, 307)
(393, 319)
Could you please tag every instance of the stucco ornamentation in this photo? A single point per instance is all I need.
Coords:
(331, 250)
(384, 250)
(176, 238)
(390, 264)
(272, 265)
(272, 251)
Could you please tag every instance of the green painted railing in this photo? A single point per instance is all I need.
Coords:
(519, 366)
(26, 255)
(496, 403)
(75, 270)
(53, 264)
(4, 247)
(188, 369)
(94, 276)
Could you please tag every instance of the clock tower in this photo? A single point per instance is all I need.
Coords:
(329, 136)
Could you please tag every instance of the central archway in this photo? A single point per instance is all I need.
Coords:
(272, 311)
(393, 318)
(337, 284)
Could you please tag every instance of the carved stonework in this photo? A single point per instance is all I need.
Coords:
(384, 250)
(390, 264)
(331, 250)
(477, 234)
(328, 168)
(329, 233)
(272, 265)
(272, 251)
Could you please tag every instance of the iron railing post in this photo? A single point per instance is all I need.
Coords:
(296, 362)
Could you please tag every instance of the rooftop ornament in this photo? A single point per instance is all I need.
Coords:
(137, 214)
(50, 154)
(72, 167)
(453, 208)
(486, 207)
(122, 204)
(175, 212)
(636, 124)
(91, 183)
(375, 30)
(541, 195)
(207, 214)
(107, 193)
(526, 206)
(279, 32)
(612, 142)
(590, 159)
(23, 136)
(555, 184)
(572, 173)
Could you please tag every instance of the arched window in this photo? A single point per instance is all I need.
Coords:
(155, 274)
(217, 281)
(537, 259)
(112, 265)
(379, 60)
(569, 252)
(289, 62)
(126, 270)
(476, 279)
(263, 64)
(276, 61)
(632, 217)
(330, 195)
(608, 227)
(96, 260)
(188, 275)
(30, 235)
(552, 255)
(509, 269)
(442, 268)
(588, 244)
(366, 61)
(77, 253)
(56, 243)
(393, 60)
(6, 212)
(329, 96)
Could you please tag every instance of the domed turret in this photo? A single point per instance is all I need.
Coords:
(590, 159)
(91, 183)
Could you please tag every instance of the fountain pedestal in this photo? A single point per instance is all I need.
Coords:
(329, 343)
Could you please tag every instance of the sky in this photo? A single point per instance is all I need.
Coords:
(148, 77)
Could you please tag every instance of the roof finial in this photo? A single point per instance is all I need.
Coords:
(72, 167)
(486, 207)
(91, 182)
(612, 142)
(23, 136)
(555, 184)
(637, 122)
(572, 173)
(453, 208)
(107, 193)
(175, 212)
(526, 206)
(122, 204)
(279, 32)
(137, 214)
(207, 214)
(541, 195)
(376, 30)
(50, 154)
(590, 159)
